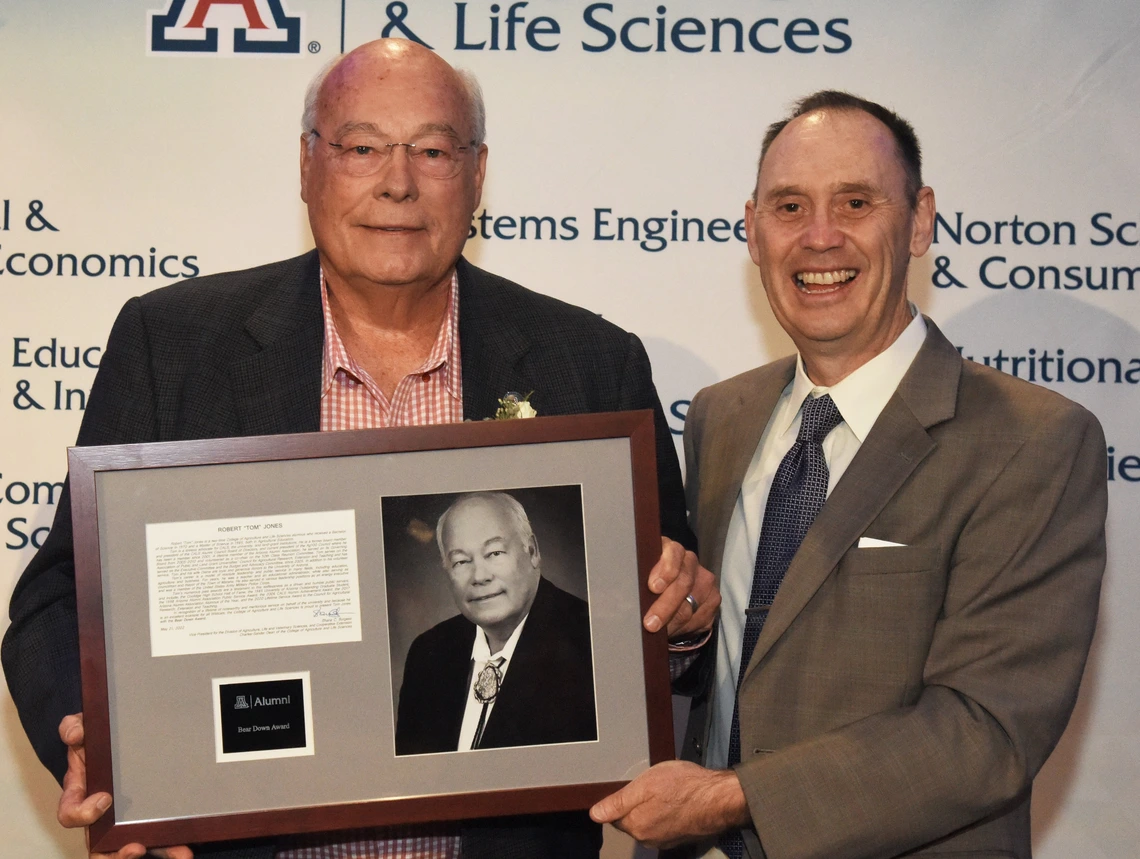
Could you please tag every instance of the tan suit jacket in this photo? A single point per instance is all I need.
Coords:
(903, 698)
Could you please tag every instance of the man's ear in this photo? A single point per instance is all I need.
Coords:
(750, 230)
(924, 213)
(306, 159)
(480, 174)
(532, 550)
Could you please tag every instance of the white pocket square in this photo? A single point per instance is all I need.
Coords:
(872, 543)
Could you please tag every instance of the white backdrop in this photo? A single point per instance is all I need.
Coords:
(118, 141)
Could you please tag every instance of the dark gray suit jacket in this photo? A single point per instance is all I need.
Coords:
(240, 354)
(902, 698)
(547, 694)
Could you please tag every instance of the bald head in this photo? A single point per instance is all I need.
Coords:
(373, 62)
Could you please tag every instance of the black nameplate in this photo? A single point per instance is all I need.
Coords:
(262, 715)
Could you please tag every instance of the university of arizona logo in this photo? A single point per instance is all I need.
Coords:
(192, 26)
(241, 703)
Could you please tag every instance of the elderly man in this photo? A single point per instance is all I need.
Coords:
(514, 667)
(910, 546)
(383, 324)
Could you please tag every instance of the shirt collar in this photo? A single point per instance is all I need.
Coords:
(481, 652)
(444, 351)
(862, 395)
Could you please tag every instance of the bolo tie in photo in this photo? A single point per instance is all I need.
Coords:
(486, 688)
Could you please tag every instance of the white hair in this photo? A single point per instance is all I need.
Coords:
(503, 501)
(476, 110)
(309, 113)
(472, 94)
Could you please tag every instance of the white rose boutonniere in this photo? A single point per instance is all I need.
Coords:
(512, 406)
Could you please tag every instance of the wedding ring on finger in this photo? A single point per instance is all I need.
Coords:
(693, 604)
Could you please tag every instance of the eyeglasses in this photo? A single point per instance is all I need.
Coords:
(435, 156)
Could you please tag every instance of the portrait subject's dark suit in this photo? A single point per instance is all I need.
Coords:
(902, 698)
(547, 694)
(240, 354)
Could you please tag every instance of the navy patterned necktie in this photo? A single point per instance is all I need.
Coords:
(795, 499)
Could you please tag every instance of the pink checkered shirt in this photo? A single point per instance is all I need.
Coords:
(350, 399)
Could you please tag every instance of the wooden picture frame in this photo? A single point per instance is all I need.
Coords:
(168, 617)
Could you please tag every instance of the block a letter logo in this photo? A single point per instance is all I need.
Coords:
(192, 26)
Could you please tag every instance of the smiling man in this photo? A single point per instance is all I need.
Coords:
(514, 667)
(909, 545)
(383, 324)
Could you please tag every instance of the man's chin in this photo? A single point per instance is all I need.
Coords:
(410, 274)
(483, 615)
(388, 274)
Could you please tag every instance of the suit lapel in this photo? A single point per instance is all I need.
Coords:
(454, 682)
(894, 447)
(749, 417)
(525, 675)
(491, 344)
(277, 390)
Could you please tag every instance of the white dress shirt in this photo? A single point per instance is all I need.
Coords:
(860, 398)
(481, 655)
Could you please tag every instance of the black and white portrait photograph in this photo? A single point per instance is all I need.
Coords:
(488, 619)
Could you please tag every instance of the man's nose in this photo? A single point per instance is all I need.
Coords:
(480, 572)
(397, 177)
(822, 231)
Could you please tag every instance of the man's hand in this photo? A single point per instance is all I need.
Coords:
(675, 802)
(77, 809)
(676, 575)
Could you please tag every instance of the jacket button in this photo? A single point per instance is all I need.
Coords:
(697, 744)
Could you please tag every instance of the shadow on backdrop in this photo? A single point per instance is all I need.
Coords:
(1010, 325)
